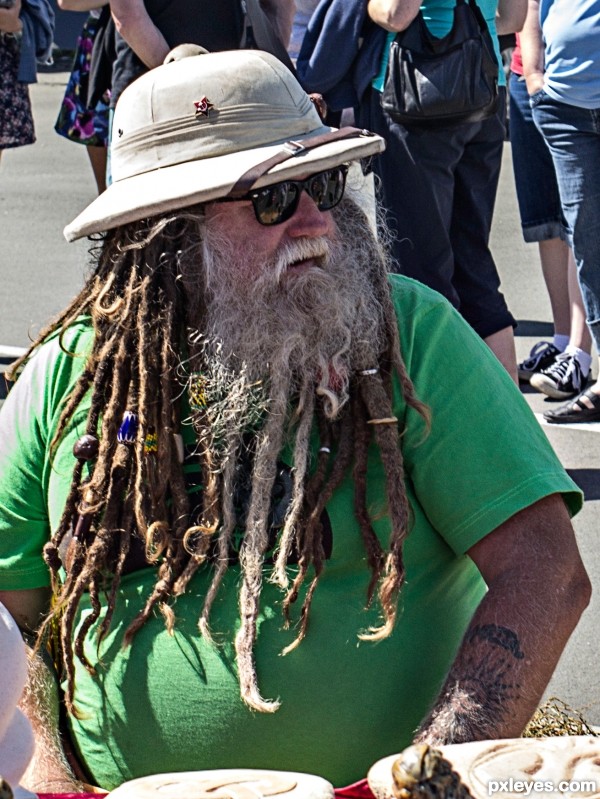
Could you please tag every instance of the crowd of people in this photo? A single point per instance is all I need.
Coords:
(238, 506)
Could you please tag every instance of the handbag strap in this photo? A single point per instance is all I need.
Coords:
(484, 27)
(259, 33)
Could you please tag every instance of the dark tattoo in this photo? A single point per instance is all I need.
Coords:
(479, 691)
(500, 636)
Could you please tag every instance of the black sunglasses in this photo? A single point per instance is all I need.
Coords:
(277, 203)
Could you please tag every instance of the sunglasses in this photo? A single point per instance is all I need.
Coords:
(277, 203)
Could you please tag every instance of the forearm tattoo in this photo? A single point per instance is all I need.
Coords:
(479, 690)
(500, 636)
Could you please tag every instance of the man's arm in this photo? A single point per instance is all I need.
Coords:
(537, 590)
(393, 15)
(532, 49)
(281, 13)
(510, 16)
(141, 34)
(48, 771)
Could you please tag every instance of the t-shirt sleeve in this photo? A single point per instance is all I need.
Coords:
(27, 420)
(485, 456)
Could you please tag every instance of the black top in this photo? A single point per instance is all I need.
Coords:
(213, 24)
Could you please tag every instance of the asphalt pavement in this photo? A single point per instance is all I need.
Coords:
(44, 186)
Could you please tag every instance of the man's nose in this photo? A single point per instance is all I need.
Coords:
(308, 220)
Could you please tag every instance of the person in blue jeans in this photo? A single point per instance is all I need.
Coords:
(561, 64)
(558, 368)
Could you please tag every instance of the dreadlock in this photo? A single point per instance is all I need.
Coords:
(139, 304)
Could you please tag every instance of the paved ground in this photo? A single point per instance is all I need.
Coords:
(44, 186)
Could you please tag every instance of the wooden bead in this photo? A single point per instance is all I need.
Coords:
(86, 448)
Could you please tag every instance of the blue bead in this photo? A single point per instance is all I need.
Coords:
(128, 430)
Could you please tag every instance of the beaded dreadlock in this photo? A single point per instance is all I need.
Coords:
(140, 304)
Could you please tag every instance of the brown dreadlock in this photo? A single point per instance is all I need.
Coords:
(139, 301)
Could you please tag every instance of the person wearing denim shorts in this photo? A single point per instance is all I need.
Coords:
(558, 368)
(562, 69)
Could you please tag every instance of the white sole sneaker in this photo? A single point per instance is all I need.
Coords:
(547, 386)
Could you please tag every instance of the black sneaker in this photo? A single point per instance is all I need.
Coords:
(541, 357)
(561, 380)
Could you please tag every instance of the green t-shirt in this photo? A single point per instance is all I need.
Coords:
(171, 703)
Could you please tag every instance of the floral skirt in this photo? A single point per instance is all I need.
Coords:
(16, 121)
(75, 120)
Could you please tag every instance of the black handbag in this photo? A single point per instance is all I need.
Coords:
(432, 82)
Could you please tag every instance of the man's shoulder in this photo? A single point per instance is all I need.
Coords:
(414, 301)
(62, 352)
(432, 332)
(76, 339)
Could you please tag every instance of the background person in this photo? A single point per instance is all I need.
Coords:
(559, 368)
(26, 32)
(562, 71)
(79, 120)
(439, 186)
(152, 28)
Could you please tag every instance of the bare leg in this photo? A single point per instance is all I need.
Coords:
(554, 257)
(97, 156)
(579, 329)
(579, 332)
(502, 344)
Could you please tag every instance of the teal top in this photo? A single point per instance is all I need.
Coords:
(172, 703)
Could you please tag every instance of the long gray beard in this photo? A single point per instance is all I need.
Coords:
(302, 328)
(269, 352)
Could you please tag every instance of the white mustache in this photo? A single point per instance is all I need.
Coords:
(301, 250)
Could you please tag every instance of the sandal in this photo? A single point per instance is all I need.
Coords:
(576, 410)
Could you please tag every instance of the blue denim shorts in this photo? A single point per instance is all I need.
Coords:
(535, 179)
(573, 136)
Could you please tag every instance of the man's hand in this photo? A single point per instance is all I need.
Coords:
(49, 771)
(537, 590)
(534, 82)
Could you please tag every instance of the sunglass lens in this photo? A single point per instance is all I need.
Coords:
(277, 203)
(327, 188)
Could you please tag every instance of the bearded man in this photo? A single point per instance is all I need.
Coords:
(235, 445)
